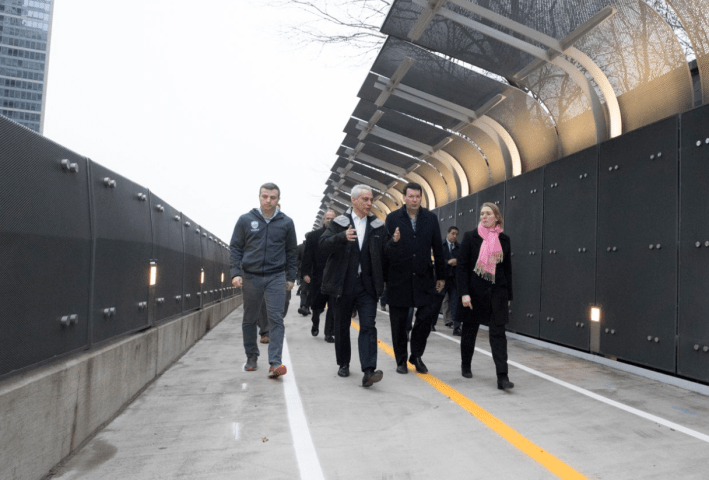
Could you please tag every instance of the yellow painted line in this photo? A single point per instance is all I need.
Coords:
(541, 456)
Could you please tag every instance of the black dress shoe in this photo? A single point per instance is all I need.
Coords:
(449, 325)
(503, 383)
(344, 371)
(467, 373)
(371, 377)
(433, 328)
(418, 363)
(329, 339)
(315, 330)
(402, 369)
(457, 332)
(302, 311)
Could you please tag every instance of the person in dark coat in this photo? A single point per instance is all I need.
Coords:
(485, 285)
(448, 297)
(410, 275)
(313, 266)
(354, 278)
(303, 287)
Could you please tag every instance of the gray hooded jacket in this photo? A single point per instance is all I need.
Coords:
(262, 248)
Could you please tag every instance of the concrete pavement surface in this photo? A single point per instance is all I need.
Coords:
(206, 418)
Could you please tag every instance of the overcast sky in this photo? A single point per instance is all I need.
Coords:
(201, 103)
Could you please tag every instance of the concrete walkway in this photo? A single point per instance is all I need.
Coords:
(205, 418)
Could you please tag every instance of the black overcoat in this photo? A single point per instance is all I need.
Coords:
(489, 300)
(410, 270)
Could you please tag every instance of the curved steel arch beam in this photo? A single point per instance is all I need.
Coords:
(382, 206)
(507, 146)
(461, 176)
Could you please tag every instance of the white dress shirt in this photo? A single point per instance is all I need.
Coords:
(360, 224)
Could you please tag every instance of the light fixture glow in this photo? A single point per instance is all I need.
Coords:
(222, 277)
(153, 273)
(201, 277)
(595, 314)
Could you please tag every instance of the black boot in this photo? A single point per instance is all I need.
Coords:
(503, 383)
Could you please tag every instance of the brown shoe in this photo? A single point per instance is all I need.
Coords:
(264, 338)
(276, 371)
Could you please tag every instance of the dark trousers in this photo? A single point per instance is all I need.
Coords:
(498, 345)
(318, 306)
(366, 306)
(419, 334)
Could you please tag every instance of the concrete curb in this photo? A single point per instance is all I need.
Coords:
(48, 413)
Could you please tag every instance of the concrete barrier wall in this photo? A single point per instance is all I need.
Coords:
(46, 414)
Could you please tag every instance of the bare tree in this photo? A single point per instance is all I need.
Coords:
(339, 23)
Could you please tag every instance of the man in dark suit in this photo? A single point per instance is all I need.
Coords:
(354, 278)
(410, 275)
(448, 297)
(313, 266)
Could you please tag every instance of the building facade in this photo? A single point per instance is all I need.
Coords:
(25, 34)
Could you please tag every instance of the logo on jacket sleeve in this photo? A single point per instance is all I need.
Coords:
(254, 226)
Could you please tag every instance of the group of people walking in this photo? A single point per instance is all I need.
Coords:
(348, 262)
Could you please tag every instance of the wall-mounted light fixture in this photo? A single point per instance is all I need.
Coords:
(222, 277)
(595, 330)
(153, 273)
(201, 277)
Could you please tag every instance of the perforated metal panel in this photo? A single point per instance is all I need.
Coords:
(524, 203)
(44, 220)
(693, 322)
(123, 242)
(693, 14)
(569, 251)
(193, 264)
(637, 245)
(169, 256)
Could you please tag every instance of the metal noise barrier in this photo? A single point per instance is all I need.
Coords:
(87, 255)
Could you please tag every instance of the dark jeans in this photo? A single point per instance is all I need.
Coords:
(318, 306)
(419, 334)
(263, 324)
(498, 345)
(366, 306)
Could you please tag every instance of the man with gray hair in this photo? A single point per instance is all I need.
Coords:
(263, 262)
(354, 278)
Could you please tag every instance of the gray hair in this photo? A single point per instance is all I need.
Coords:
(357, 190)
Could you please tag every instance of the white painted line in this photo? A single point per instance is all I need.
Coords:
(608, 401)
(235, 430)
(305, 453)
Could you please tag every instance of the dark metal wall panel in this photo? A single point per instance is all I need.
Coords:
(693, 322)
(169, 255)
(569, 251)
(494, 194)
(192, 287)
(446, 217)
(123, 240)
(524, 200)
(209, 251)
(44, 221)
(637, 245)
(466, 214)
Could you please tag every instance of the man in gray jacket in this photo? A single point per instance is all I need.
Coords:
(263, 262)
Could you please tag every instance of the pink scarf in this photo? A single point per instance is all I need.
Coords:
(490, 252)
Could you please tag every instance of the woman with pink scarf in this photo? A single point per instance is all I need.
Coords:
(485, 284)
